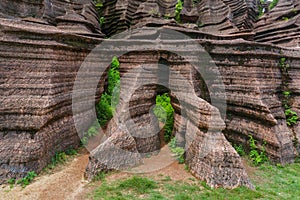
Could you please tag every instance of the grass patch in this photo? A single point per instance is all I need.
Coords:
(60, 158)
(271, 182)
(23, 181)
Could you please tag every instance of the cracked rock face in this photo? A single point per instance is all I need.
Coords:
(281, 25)
(220, 16)
(43, 47)
(46, 42)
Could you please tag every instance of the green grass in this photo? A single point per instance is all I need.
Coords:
(271, 182)
(60, 158)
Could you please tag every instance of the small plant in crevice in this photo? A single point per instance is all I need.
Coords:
(239, 149)
(61, 158)
(257, 155)
(167, 16)
(291, 117)
(177, 151)
(11, 182)
(101, 21)
(178, 9)
(283, 65)
(26, 180)
(99, 5)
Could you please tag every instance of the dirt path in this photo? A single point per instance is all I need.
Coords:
(67, 182)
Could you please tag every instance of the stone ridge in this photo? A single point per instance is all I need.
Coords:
(221, 17)
(281, 25)
(78, 17)
(208, 154)
(254, 105)
(42, 50)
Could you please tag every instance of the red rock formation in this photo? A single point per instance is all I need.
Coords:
(39, 59)
(281, 25)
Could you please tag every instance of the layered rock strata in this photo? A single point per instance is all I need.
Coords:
(39, 61)
(281, 25)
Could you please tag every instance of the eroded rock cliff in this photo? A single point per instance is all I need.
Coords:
(43, 45)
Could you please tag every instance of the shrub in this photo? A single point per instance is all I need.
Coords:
(103, 109)
(178, 9)
(109, 99)
(178, 151)
(165, 113)
(257, 156)
(273, 4)
(291, 117)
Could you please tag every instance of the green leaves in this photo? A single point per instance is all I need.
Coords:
(165, 114)
(103, 109)
(273, 4)
(177, 151)
(291, 117)
(257, 155)
(110, 99)
(178, 9)
(239, 149)
(26, 180)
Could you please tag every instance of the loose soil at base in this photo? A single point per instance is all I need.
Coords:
(67, 181)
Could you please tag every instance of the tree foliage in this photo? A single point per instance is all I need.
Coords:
(109, 99)
(165, 114)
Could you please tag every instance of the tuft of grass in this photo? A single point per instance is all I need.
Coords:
(100, 176)
(139, 185)
(11, 182)
(27, 179)
(177, 151)
(60, 158)
(128, 189)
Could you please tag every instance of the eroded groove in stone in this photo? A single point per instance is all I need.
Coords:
(220, 17)
(45, 43)
(281, 25)
(43, 49)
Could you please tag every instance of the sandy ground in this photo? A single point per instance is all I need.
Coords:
(67, 181)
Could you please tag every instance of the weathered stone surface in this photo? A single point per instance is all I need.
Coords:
(38, 67)
(281, 25)
(221, 17)
(142, 73)
(71, 16)
(118, 152)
